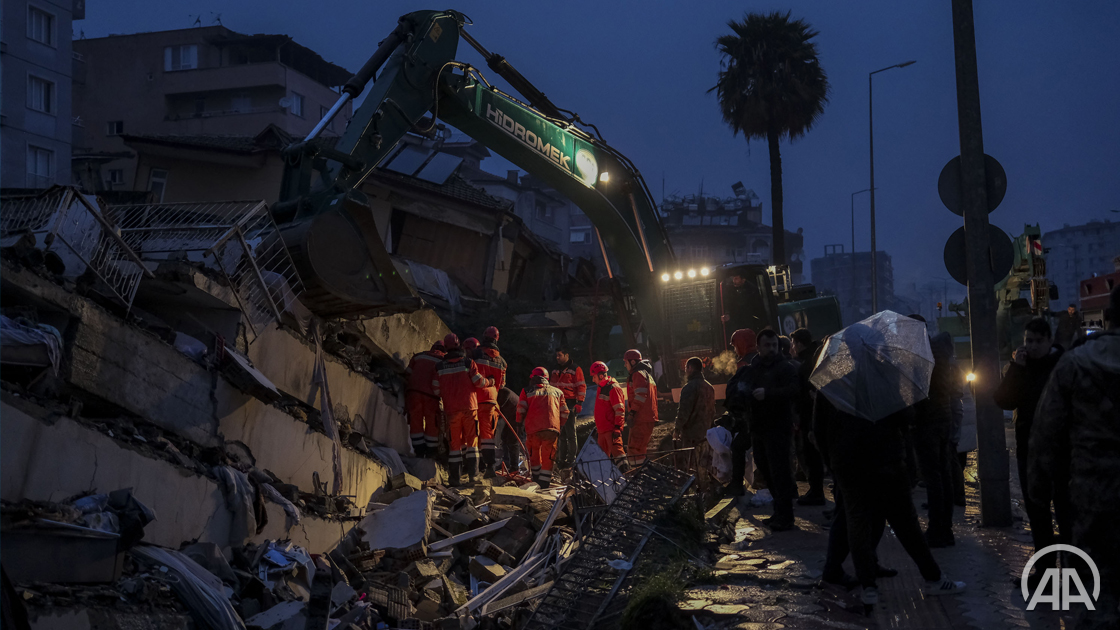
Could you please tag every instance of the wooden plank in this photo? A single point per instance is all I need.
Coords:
(474, 533)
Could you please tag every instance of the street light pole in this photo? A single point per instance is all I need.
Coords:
(853, 296)
(871, 143)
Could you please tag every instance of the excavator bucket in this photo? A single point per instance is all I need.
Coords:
(342, 260)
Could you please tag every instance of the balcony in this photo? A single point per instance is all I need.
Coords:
(224, 78)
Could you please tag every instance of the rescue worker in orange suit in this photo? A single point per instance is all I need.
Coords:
(610, 413)
(457, 382)
(641, 396)
(470, 347)
(492, 366)
(540, 408)
(423, 403)
(568, 378)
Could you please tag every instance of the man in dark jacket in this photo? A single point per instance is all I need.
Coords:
(774, 387)
(806, 351)
(737, 402)
(932, 428)
(1076, 437)
(1020, 390)
(697, 407)
(1069, 323)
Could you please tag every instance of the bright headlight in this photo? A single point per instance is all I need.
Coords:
(691, 273)
(664, 277)
(705, 271)
(678, 275)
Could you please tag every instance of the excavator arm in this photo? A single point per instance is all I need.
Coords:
(420, 74)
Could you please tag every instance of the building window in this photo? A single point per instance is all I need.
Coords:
(116, 176)
(241, 103)
(40, 166)
(157, 183)
(323, 114)
(296, 106)
(580, 236)
(114, 127)
(40, 26)
(180, 58)
(40, 94)
(544, 211)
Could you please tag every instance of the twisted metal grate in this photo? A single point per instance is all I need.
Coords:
(238, 239)
(75, 237)
(581, 597)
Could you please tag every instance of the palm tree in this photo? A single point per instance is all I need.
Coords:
(771, 85)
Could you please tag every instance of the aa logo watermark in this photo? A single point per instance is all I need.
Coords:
(1057, 587)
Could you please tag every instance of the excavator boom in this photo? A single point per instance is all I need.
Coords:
(330, 229)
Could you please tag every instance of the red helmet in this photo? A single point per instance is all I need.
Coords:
(599, 367)
(743, 341)
(438, 347)
(491, 333)
(451, 342)
(539, 372)
(470, 343)
(632, 355)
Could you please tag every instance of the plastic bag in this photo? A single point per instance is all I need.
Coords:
(719, 439)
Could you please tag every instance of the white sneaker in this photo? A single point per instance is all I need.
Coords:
(870, 596)
(944, 586)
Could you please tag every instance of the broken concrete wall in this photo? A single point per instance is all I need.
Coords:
(56, 459)
(289, 362)
(399, 337)
(143, 374)
(290, 449)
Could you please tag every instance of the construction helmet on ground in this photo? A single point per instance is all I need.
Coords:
(491, 333)
(743, 340)
(599, 367)
(451, 342)
(469, 344)
(539, 372)
(632, 355)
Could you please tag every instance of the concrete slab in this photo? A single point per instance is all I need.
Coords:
(66, 458)
(141, 373)
(290, 448)
(401, 525)
(289, 363)
(187, 505)
(398, 337)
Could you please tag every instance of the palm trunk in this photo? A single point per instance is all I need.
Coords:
(778, 251)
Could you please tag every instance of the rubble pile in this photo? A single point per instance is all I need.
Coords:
(423, 556)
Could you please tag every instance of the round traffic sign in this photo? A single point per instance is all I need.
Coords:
(1001, 255)
(949, 184)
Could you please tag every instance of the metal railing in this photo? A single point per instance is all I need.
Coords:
(237, 239)
(75, 236)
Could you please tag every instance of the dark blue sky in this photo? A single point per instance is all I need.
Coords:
(1049, 81)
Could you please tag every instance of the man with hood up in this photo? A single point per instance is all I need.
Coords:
(641, 396)
(737, 402)
(774, 386)
(932, 447)
(1076, 438)
(539, 410)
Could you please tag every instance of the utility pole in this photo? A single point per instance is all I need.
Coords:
(995, 491)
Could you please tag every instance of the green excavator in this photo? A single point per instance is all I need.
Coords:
(328, 225)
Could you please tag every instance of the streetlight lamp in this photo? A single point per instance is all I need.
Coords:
(871, 142)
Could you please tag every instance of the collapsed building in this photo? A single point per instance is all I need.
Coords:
(185, 443)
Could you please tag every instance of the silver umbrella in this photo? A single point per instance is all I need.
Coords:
(875, 367)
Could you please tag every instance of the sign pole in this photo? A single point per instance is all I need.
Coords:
(995, 491)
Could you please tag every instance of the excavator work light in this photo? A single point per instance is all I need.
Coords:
(691, 273)
(664, 277)
(704, 271)
(970, 377)
(604, 177)
(678, 275)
